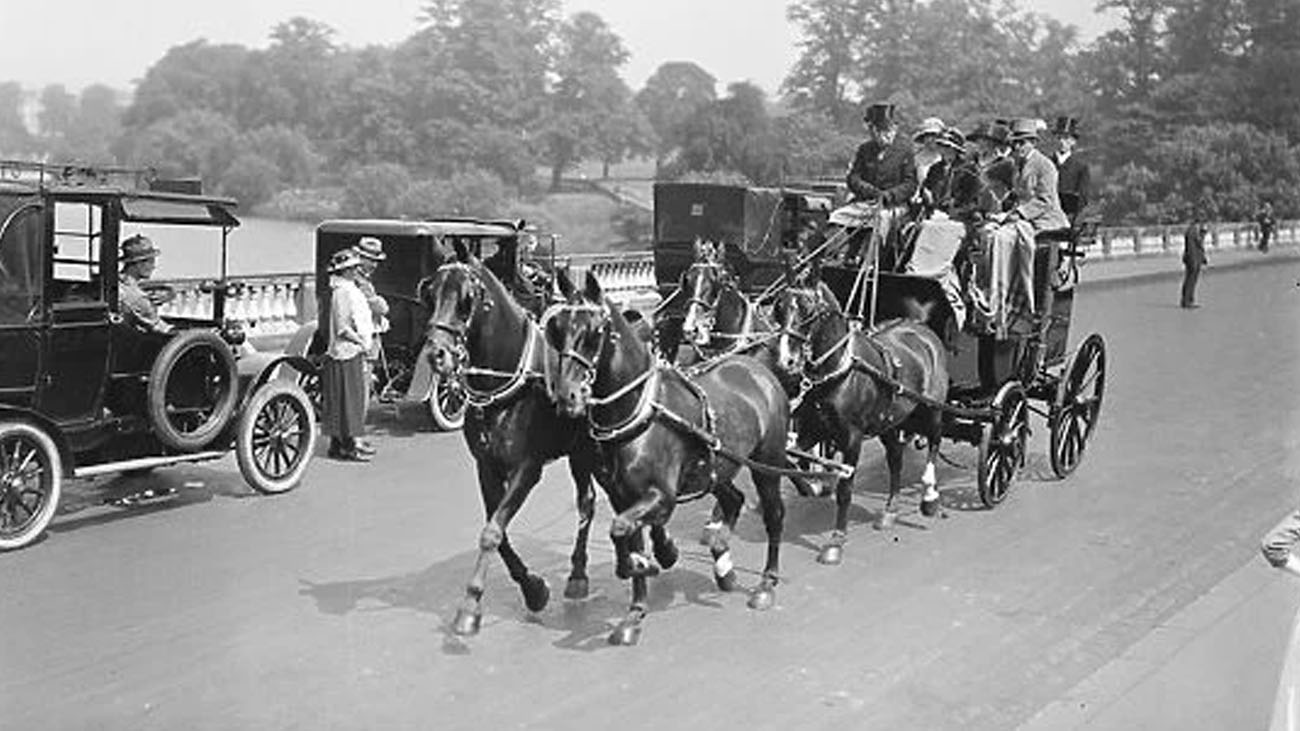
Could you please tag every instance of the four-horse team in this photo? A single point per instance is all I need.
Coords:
(935, 302)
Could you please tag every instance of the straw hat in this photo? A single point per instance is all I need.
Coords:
(929, 126)
(137, 248)
(1024, 128)
(369, 247)
(344, 260)
(953, 139)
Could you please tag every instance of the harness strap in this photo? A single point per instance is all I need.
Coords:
(641, 416)
(515, 379)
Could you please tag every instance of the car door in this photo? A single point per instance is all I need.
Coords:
(77, 338)
(21, 314)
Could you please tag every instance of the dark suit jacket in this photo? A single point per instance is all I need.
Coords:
(1074, 181)
(1194, 245)
(885, 172)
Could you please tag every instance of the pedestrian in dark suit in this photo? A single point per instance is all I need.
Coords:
(882, 180)
(1193, 258)
(1074, 179)
(1266, 225)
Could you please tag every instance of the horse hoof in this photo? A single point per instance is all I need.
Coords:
(762, 599)
(576, 588)
(625, 635)
(666, 554)
(831, 555)
(467, 624)
(930, 508)
(536, 593)
(886, 520)
(727, 582)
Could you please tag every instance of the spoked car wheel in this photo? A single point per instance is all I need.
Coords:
(31, 481)
(276, 437)
(1078, 405)
(1002, 448)
(310, 383)
(192, 390)
(447, 404)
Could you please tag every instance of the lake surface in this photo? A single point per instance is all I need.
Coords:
(258, 246)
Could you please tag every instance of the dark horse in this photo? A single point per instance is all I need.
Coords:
(478, 332)
(664, 437)
(857, 386)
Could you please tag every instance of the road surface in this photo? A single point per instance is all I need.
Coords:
(328, 608)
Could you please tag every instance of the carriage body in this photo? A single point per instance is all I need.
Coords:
(413, 251)
(758, 225)
(83, 390)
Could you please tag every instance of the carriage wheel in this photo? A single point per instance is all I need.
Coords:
(447, 404)
(1002, 448)
(31, 479)
(1078, 405)
(276, 437)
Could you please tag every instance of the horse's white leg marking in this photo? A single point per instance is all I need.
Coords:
(931, 482)
(722, 564)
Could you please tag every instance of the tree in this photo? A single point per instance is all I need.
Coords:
(373, 191)
(733, 134)
(588, 94)
(58, 111)
(15, 138)
(821, 78)
(190, 77)
(672, 96)
(190, 143)
(251, 179)
(287, 150)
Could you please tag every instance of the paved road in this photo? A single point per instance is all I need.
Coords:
(328, 607)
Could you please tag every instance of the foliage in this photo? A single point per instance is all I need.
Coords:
(472, 193)
(671, 98)
(374, 191)
(251, 179)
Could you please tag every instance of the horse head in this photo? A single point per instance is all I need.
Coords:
(796, 313)
(579, 331)
(702, 281)
(455, 295)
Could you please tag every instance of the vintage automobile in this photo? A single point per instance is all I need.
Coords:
(413, 250)
(85, 391)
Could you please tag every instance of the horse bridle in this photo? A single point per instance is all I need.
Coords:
(588, 365)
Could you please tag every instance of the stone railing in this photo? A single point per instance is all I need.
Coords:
(274, 305)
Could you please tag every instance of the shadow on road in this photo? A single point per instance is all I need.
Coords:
(88, 503)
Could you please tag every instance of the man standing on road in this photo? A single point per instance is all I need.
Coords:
(1266, 225)
(1193, 258)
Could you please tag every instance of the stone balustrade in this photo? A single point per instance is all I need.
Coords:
(275, 305)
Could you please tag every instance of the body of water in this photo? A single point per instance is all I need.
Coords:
(258, 246)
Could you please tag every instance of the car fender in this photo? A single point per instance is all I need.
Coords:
(17, 413)
(257, 369)
(302, 340)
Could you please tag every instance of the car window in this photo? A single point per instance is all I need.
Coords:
(20, 264)
(78, 239)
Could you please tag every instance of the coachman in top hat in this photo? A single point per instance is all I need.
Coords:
(882, 178)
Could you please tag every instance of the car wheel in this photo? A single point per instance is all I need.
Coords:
(31, 481)
(276, 437)
(193, 390)
(447, 404)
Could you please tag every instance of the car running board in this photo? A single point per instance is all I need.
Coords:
(144, 463)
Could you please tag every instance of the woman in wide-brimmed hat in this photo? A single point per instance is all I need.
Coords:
(343, 376)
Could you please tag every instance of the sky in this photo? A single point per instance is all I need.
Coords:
(80, 42)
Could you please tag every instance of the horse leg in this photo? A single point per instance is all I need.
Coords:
(628, 631)
(893, 442)
(665, 550)
(727, 508)
(930, 498)
(493, 538)
(469, 616)
(832, 553)
(769, 499)
(578, 586)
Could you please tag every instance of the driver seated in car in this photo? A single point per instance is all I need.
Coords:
(138, 259)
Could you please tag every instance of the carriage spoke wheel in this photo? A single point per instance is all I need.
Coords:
(276, 437)
(1002, 448)
(1077, 408)
(31, 479)
(447, 404)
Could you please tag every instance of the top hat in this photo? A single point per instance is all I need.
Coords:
(1066, 126)
(879, 115)
(929, 126)
(981, 132)
(344, 260)
(369, 247)
(137, 248)
(1024, 128)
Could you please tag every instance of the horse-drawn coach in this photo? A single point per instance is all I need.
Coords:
(86, 391)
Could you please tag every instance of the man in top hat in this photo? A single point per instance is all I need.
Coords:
(882, 178)
(1074, 179)
(1038, 200)
(138, 258)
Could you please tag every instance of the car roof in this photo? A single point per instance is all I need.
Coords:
(435, 227)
